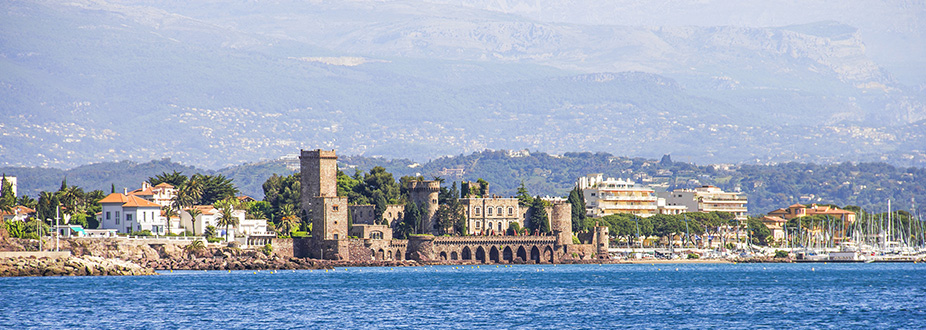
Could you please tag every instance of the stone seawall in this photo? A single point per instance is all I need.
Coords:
(69, 266)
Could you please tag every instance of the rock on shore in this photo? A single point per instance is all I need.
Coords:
(70, 266)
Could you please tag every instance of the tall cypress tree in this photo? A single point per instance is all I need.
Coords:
(538, 220)
(578, 209)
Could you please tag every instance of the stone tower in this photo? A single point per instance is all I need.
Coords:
(320, 200)
(602, 241)
(561, 223)
(425, 194)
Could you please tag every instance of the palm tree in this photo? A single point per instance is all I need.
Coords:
(72, 197)
(193, 212)
(288, 221)
(226, 207)
(168, 213)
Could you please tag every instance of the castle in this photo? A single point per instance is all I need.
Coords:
(333, 238)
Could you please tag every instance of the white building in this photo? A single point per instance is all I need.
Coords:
(611, 196)
(161, 194)
(210, 217)
(19, 213)
(707, 199)
(128, 213)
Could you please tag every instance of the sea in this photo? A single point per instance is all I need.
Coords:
(639, 296)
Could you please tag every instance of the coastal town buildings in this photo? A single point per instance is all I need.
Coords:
(130, 213)
(611, 196)
(828, 212)
(707, 199)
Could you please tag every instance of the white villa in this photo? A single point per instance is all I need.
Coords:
(161, 194)
(210, 217)
(128, 213)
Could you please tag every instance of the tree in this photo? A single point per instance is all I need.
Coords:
(410, 221)
(215, 188)
(174, 178)
(288, 222)
(758, 231)
(27, 201)
(379, 204)
(578, 209)
(227, 218)
(379, 179)
(282, 190)
(7, 198)
(168, 213)
(450, 214)
(538, 220)
(524, 198)
(193, 212)
(47, 206)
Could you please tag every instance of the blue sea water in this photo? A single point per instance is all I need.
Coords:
(563, 296)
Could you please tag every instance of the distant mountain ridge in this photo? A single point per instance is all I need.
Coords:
(216, 84)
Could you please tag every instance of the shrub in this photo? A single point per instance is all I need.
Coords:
(781, 254)
(141, 233)
(575, 240)
(299, 234)
(214, 239)
(267, 249)
(693, 256)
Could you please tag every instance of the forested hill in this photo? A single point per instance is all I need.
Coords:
(869, 185)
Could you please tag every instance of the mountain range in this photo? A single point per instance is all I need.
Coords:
(215, 84)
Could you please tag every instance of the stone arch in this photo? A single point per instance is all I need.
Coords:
(481, 254)
(380, 254)
(443, 255)
(399, 255)
(522, 254)
(507, 254)
(535, 254)
(548, 254)
(389, 255)
(467, 254)
(493, 254)
(454, 256)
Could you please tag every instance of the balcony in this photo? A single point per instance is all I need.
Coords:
(621, 198)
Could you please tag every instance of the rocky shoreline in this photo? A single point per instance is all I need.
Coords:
(69, 266)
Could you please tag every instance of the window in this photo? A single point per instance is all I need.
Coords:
(499, 227)
(335, 236)
(128, 217)
(117, 217)
(478, 224)
(108, 215)
(510, 211)
(488, 211)
(334, 208)
(144, 216)
(499, 211)
(476, 210)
